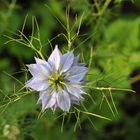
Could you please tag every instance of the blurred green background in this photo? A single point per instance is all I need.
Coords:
(107, 37)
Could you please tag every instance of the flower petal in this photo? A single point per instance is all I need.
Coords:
(63, 100)
(38, 70)
(55, 58)
(37, 84)
(40, 61)
(54, 107)
(76, 74)
(44, 63)
(75, 90)
(67, 61)
(51, 102)
(76, 100)
(75, 61)
(43, 96)
(33, 69)
(47, 98)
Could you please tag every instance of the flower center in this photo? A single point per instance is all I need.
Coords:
(56, 80)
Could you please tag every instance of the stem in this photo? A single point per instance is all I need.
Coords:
(104, 7)
(90, 57)
(69, 41)
(110, 88)
(68, 30)
(97, 5)
(117, 89)
(40, 54)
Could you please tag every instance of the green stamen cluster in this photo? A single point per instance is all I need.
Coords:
(56, 81)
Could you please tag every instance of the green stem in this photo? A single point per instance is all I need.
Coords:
(111, 88)
(104, 7)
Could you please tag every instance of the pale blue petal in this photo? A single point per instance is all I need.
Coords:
(55, 58)
(43, 96)
(76, 100)
(33, 69)
(51, 102)
(38, 70)
(54, 107)
(74, 90)
(47, 98)
(40, 61)
(81, 64)
(37, 84)
(75, 61)
(67, 61)
(63, 101)
(44, 63)
(45, 93)
(76, 73)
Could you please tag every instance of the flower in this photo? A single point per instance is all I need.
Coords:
(58, 81)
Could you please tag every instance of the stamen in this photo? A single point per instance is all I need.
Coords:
(56, 81)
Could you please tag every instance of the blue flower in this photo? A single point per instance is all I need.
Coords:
(58, 81)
